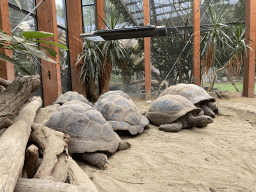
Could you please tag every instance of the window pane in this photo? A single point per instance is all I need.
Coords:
(25, 60)
(87, 2)
(27, 5)
(61, 12)
(89, 19)
(64, 62)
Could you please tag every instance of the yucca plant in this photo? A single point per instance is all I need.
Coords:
(236, 55)
(113, 52)
(90, 67)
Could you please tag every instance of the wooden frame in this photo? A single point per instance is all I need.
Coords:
(196, 43)
(249, 58)
(147, 51)
(51, 79)
(6, 69)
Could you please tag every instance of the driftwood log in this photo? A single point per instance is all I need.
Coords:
(15, 96)
(53, 145)
(47, 185)
(56, 162)
(13, 145)
(77, 176)
(44, 114)
(31, 163)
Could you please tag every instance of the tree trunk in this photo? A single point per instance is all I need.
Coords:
(105, 75)
(47, 185)
(13, 145)
(54, 145)
(15, 96)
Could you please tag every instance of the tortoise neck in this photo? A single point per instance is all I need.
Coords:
(192, 120)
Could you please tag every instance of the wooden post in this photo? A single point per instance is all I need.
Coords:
(196, 43)
(249, 58)
(100, 14)
(6, 69)
(147, 52)
(75, 28)
(51, 79)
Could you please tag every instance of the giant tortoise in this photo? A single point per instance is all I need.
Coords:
(196, 94)
(70, 96)
(90, 134)
(174, 112)
(122, 113)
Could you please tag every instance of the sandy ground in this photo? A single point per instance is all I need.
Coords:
(220, 157)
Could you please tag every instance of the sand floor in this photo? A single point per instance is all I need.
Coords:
(220, 157)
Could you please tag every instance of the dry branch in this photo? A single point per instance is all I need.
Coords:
(4, 82)
(15, 96)
(47, 185)
(53, 144)
(45, 113)
(31, 162)
(13, 145)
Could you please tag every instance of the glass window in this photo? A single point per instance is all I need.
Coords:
(64, 62)
(87, 2)
(89, 19)
(27, 5)
(61, 12)
(16, 16)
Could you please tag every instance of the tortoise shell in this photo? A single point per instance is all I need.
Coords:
(169, 108)
(192, 92)
(70, 96)
(109, 93)
(88, 130)
(116, 108)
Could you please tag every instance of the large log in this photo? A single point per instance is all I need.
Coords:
(56, 141)
(54, 145)
(13, 145)
(44, 114)
(15, 96)
(77, 176)
(47, 185)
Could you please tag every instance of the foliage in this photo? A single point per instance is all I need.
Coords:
(27, 45)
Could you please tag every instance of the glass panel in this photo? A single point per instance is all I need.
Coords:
(89, 19)
(64, 62)
(88, 2)
(25, 60)
(61, 12)
(27, 5)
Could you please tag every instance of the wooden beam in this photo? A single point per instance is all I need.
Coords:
(196, 43)
(51, 79)
(75, 28)
(101, 14)
(249, 58)
(6, 69)
(147, 52)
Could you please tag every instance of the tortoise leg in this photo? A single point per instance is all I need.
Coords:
(207, 111)
(124, 145)
(213, 107)
(97, 159)
(174, 127)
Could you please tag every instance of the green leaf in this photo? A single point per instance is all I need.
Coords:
(52, 43)
(4, 57)
(36, 34)
(5, 37)
(50, 51)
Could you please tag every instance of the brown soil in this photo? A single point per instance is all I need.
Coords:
(220, 157)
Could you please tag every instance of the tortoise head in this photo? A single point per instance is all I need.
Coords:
(199, 121)
(203, 120)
